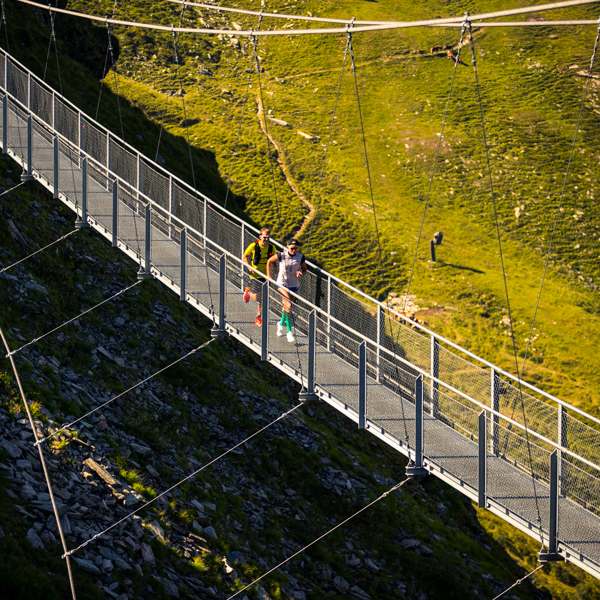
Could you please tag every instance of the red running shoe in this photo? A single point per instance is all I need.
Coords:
(247, 295)
(258, 321)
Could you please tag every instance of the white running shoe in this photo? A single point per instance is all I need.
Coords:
(290, 337)
(279, 329)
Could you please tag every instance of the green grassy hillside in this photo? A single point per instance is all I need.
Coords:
(531, 90)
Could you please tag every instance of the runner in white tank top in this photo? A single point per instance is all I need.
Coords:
(292, 266)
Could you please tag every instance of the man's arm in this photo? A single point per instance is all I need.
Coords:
(270, 263)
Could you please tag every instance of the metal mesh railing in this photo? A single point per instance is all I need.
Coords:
(456, 386)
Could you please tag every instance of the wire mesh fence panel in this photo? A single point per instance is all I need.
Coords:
(405, 343)
(93, 141)
(42, 102)
(187, 207)
(201, 282)
(69, 173)
(463, 375)
(17, 130)
(131, 221)
(314, 287)
(580, 483)
(18, 84)
(123, 163)
(166, 248)
(515, 489)
(357, 315)
(390, 402)
(154, 185)
(43, 151)
(337, 359)
(524, 452)
(458, 414)
(100, 196)
(581, 439)
(534, 414)
(66, 121)
(223, 232)
(3, 82)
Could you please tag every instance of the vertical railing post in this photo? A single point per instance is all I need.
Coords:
(329, 309)
(563, 442)
(115, 213)
(79, 131)
(264, 347)
(417, 468)
(28, 173)
(54, 109)
(5, 122)
(83, 221)
(219, 329)
(56, 164)
(380, 322)
(145, 271)
(552, 554)
(362, 385)
(171, 207)
(205, 229)
(435, 374)
(495, 405)
(29, 90)
(108, 151)
(482, 454)
(309, 393)
(182, 284)
(242, 269)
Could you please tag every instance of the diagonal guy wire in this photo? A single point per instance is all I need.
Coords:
(123, 393)
(43, 462)
(279, 418)
(397, 486)
(37, 339)
(40, 250)
(519, 581)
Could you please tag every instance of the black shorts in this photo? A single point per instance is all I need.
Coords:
(256, 286)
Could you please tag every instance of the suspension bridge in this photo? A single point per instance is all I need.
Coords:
(449, 411)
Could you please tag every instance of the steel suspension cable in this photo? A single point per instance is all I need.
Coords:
(60, 239)
(519, 581)
(187, 130)
(5, 26)
(52, 15)
(85, 312)
(364, 25)
(133, 387)
(187, 478)
(239, 133)
(489, 170)
(114, 70)
(384, 495)
(437, 154)
(262, 102)
(337, 97)
(562, 194)
(43, 462)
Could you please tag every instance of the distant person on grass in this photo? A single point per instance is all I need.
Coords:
(292, 266)
(256, 257)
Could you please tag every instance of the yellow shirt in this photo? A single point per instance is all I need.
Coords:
(264, 257)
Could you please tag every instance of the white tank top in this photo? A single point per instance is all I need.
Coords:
(288, 268)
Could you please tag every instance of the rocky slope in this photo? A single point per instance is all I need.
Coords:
(220, 529)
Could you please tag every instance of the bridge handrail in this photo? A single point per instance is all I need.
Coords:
(314, 268)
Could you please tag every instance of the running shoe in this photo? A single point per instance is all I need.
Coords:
(247, 295)
(258, 321)
(279, 329)
(290, 337)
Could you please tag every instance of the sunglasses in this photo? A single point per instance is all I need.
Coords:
(293, 248)
(265, 237)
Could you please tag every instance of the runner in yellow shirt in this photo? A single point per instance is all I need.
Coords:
(256, 256)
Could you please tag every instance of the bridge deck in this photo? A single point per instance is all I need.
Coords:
(448, 452)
